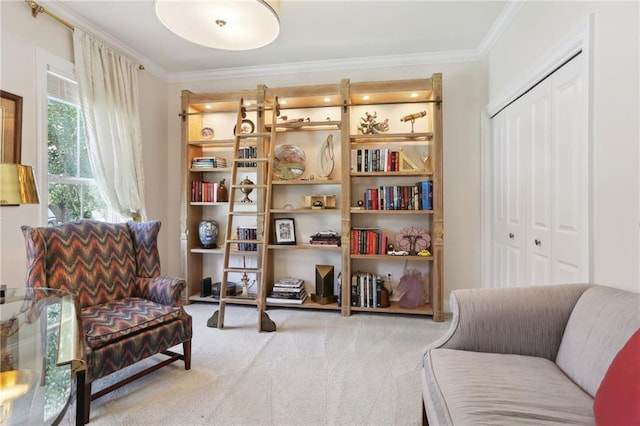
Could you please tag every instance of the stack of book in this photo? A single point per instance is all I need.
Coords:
(288, 290)
(208, 162)
(325, 238)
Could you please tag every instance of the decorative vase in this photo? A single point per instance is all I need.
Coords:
(208, 231)
(222, 194)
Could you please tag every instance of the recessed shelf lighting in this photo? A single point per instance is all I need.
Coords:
(208, 106)
(283, 101)
(366, 97)
(414, 95)
(327, 99)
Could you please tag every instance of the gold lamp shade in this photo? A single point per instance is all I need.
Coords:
(17, 185)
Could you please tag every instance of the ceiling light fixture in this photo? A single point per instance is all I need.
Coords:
(222, 24)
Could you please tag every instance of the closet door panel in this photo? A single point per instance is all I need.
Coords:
(499, 203)
(538, 189)
(570, 175)
(515, 192)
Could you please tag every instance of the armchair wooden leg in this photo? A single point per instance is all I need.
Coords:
(87, 402)
(186, 347)
(80, 390)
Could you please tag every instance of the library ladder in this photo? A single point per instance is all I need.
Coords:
(240, 241)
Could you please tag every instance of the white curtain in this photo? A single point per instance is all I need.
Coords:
(108, 86)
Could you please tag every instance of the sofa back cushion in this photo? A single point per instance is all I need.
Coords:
(602, 321)
(91, 259)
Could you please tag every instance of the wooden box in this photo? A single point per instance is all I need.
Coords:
(319, 201)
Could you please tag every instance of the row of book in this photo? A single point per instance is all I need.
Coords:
(208, 163)
(368, 241)
(379, 160)
(365, 289)
(400, 197)
(288, 290)
(247, 152)
(204, 192)
(247, 233)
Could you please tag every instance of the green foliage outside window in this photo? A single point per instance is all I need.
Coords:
(72, 191)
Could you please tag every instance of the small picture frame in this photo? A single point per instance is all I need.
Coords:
(10, 127)
(284, 230)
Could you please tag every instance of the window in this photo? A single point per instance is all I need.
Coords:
(72, 190)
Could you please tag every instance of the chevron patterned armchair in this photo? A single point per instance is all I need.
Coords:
(128, 311)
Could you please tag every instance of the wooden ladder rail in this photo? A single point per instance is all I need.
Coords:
(263, 192)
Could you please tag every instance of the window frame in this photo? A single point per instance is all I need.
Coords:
(47, 62)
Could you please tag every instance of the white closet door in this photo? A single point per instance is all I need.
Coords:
(538, 190)
(508, 198)
(570, 174)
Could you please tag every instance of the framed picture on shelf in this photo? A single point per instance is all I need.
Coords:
(285, 230)
(10, 127)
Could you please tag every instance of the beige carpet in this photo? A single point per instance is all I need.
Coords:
(318, 369)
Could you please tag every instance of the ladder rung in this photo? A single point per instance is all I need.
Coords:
(258, 186)
(249, 270)
(240, 300)
(256, 106)
(253, 135)
(244, 241)
(251, 160)
(247, 213)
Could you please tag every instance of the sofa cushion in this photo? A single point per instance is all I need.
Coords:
(603, 319)
(112, 321)
(498, 389)
(617, 401)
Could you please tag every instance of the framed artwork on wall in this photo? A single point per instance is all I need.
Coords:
(285, 230)
(10, 127)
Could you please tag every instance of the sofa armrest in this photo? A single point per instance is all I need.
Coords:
(163, 290)
(521, 320)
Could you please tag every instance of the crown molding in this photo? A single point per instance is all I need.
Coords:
(509, 11)
(329, 65)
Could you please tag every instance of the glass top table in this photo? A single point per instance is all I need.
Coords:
(40, 354)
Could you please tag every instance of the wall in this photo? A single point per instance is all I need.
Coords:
(615, 131)
(464, 94)
(21, 35)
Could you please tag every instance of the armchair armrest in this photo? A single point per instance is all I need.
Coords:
(522, 320)
(163, 290)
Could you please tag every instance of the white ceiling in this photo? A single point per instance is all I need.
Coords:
(311, 31)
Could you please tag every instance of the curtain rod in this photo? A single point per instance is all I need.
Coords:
(36, 9)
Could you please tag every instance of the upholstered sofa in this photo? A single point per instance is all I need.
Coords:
(536, 355)
(128, 312)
